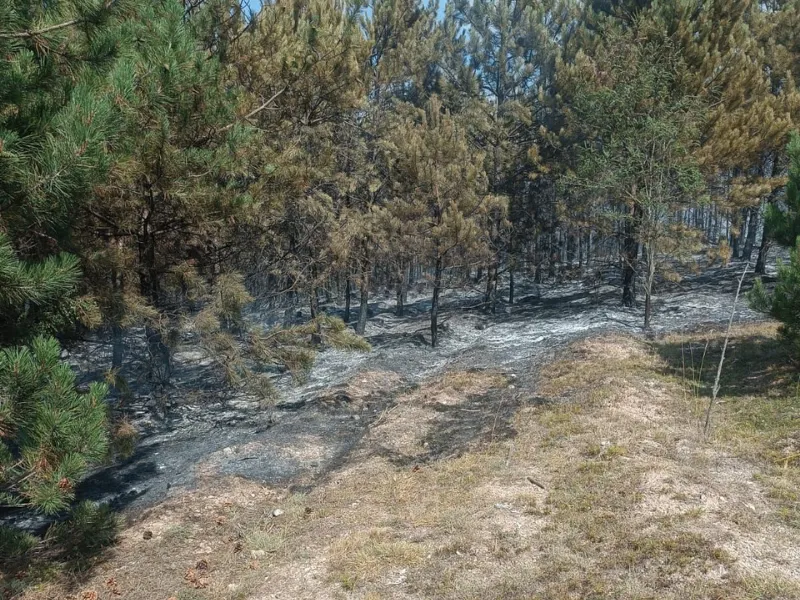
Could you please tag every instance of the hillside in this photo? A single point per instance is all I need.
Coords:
(594, 481)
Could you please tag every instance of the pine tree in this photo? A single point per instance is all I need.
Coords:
(509, 48)
(402, 66)
(155, 232)
(640, 131)
(306, 59)
(740, 63)
(439, 183)
(783, 226)
(55, 129)
(49, 432)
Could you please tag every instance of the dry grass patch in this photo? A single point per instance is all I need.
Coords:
(371, 556)
(455, 387)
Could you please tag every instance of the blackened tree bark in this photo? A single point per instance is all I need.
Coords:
(630, 257)
(364, 306)
(437, 286)
(763, 253)
(752, 228)
(160, 356)
(347, 292)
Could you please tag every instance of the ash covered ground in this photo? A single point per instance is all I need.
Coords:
(199, 429)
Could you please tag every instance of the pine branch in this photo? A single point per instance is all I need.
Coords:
(255, 111)
(38, 32)
(48, 29)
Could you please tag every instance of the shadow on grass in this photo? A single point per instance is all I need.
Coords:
(756, 364)
(70, 549)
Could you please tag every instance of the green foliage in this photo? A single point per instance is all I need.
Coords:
(39, 297)
(15, 544)
(51, 432)
(89, 528)
(783, 224)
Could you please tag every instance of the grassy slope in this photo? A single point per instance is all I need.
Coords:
(635, 503)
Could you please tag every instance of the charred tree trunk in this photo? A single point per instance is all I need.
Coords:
(648, 288)
(401, 293)
(159, 353)
(763, 252)
(437, 286)
(117, 345)
(752, 228)
(347, 294)
(630, 257)
(490, 296)
(364, 306)
(314, 303)
(736, 221)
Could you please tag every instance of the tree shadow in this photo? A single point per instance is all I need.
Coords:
(754, 364)
(70, 549)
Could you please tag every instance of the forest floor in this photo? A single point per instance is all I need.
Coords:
(586, 477)
(197, 424)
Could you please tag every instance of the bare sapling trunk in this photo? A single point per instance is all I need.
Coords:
(715, 389)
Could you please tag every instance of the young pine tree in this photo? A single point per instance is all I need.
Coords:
(55, 129)
(439, 183)
(783, 226)
(637, 161)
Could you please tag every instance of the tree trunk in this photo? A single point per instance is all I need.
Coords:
(763, 252)
(511, 285)
(752, 228)
(347, 293)
(159, 353)
(314, 303)
(401, 293)
(490, 296)
(588, 248)
(364, 306)
(648, 288)
(742, 236)
(630, 256)
(117, 347)
(437, 285)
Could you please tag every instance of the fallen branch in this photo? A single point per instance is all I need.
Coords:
(534, 482)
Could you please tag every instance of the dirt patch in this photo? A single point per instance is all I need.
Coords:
(442, 415)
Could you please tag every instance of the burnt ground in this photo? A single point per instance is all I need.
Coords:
(197, 428)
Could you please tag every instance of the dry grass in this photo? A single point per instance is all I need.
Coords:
(635, 503)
